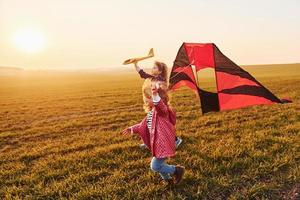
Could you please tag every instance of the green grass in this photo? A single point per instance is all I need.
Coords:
(60, 138)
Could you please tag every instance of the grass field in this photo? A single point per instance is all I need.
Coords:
(60, 138)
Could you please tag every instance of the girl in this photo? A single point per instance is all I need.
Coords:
(159, 73)
(157, 130)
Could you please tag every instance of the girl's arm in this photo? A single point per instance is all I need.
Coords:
(135, 128)
(141, 72)
(161, 107)
(131, 129)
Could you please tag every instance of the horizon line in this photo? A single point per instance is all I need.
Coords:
(116, 67)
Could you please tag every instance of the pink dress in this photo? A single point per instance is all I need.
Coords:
(160, 139)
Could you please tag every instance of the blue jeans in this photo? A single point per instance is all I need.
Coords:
(159, 165)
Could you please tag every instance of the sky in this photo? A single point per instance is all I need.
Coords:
(99, 34)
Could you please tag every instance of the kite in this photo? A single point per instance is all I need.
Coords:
(134, 60)
(236, 88)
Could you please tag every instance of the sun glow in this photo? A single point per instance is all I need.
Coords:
(29, 40)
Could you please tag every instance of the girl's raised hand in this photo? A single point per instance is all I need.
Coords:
(137, 68)
(126, 131)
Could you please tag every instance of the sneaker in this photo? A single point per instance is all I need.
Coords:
(143, 146)
(178, 174)
(178, 141)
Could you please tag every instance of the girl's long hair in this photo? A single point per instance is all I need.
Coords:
(162, 67)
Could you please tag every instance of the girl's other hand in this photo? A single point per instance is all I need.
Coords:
(126, 131)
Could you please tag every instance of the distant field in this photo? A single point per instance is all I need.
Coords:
(60, 138)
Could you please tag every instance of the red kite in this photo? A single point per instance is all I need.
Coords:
(236, 88)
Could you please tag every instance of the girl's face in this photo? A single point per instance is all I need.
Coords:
(153, 85)
(155, 70)
(147, 96)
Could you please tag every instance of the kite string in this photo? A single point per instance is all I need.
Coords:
(177, 73)
(197, 84)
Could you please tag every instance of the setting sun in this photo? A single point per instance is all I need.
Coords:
(29, 40)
